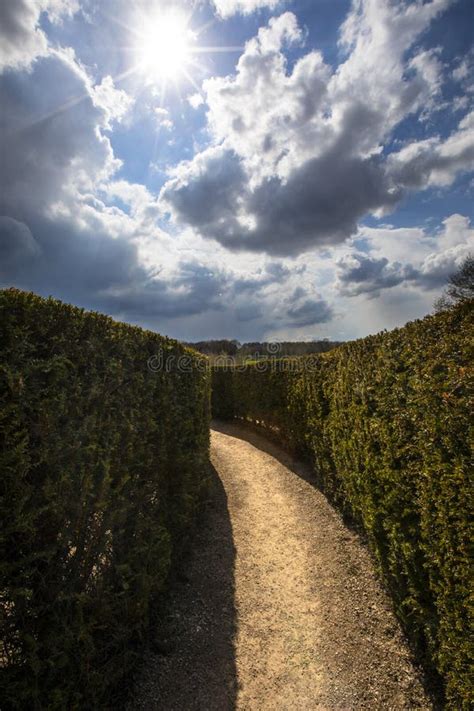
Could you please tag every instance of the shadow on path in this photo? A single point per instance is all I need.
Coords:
(193, 667)
(268, 443)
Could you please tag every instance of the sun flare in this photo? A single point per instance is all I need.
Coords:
(166, 50)
(165, 47)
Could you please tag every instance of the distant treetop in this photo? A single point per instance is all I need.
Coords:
(265, 348)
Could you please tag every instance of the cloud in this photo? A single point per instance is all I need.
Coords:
(261, 113)
(273, 273)
(195, 100)
(454, 243)
(443, 253)
(320, 204)
(227, 8)
(52, 140)
(310, 313)
(464, 73)
(17, 246)
(61, 230)
(140, 201)
(360, 274)
(115, 102)
(163, 119)
(434, 162)
(248, 312)
(191, 288)
(205, 193)
(21, 39)
(298, 155)
(75, 229)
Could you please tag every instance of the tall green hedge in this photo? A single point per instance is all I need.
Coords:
(103, 455)
(386, 422)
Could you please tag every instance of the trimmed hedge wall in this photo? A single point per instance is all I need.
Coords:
(386, 422)
(102, 464)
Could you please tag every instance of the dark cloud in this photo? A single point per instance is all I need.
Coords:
(95, 271)
(359, 273)
(362, 274)
(18, 247)
(275, 272)
(436, 269)
(55, 236)
(298, 293)
(48, 138)
(191, 289)
(248, 312)
(207, 196)
(49, 134)
(278, 271)
(319, 205)
(310, 313)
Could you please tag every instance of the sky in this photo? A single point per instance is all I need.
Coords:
(249, 169)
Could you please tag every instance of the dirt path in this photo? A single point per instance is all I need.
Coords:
(281, 610)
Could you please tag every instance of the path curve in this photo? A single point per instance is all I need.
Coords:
(303, 625)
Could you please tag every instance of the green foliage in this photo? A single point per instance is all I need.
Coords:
(386, 422)
(103, 461)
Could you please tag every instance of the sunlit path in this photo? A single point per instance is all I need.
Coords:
(303, 622)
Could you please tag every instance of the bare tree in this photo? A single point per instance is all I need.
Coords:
(460, 286)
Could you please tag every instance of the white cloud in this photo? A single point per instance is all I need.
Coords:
(115, 102)
(435, 162)
(142, 204)
(433, 258)
(430, 71)
(301, 150)
(262, 112)
(227, 8)
(163, 118)
(196, 100)
(464, 72)
(315, 108)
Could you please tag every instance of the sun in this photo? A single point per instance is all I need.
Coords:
(165, 49)
(165, 46)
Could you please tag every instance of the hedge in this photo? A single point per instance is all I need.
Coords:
(103, 459)
(386, 422)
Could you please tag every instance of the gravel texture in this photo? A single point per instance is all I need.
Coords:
(279, 607)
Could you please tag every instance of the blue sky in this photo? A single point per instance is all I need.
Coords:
(248, 169)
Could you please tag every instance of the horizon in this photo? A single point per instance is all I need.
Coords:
(257, 170)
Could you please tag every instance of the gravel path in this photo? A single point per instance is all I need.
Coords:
(281, 609)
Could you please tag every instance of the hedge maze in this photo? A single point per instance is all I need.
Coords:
(104, 432)
(103, 460)
(386, 422)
